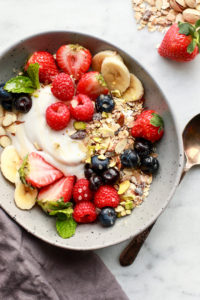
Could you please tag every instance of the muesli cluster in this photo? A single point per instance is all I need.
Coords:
(83, 147)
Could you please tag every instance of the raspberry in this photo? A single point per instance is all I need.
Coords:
(58, 115)
(82, 108)
(63, 87)
(148, 125)
(81, 191)
(106, 195)
(84, 212)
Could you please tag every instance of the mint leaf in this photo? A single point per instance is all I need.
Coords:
(157, 121)
(19, 84)
(33, 73)
(191, 46)
(65, 227)
(66, 212)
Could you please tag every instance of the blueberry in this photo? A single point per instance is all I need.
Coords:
(95, 182)
(130, 159)
(88, 171)
(23, 103)
(6, 98)
(107, 216)
(99, 165)
(105, 103)
(110, 176)
(143, 147)
(149, 164)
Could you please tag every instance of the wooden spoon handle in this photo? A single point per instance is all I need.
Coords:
(130, 253)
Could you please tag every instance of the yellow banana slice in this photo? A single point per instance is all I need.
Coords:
(100, 56)
(10, 162)
(116, 74)
(25, 198)
(135, 91)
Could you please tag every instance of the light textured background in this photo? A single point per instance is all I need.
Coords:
(168, 266)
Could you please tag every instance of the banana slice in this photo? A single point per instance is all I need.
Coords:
(10, 162)
(116, 74)
(135, 91)
(25, 198)
(100, 56)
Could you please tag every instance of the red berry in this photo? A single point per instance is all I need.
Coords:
(48, 69)
(92, 84)
(82, 191)
(59, 189)
(148, 125)
(74, 59)
(63, 87)
(58, 115)
(106, 195)
(175, 45)
(84, 212)
(37, 172)
(82, 108)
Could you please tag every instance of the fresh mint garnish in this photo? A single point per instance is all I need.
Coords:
(194, 32)
(66, 227)
(66, 212)
(157, 121)
(24, 84)
(33, 73)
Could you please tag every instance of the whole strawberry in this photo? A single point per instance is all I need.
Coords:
(92, 84)
(105, 196)
(181, 42)
(82, 191)
(148, 125)
(48, 69)
(74, 60)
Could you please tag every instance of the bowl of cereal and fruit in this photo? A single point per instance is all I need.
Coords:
(90, 153)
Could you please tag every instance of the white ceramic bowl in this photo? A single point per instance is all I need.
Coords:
(170, 150)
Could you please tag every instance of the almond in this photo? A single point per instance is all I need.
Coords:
(191, 3)
(191, 15)
(5, 141)
(179, 18)
(178, 5)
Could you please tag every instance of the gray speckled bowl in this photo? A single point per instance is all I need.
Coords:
(170, 151)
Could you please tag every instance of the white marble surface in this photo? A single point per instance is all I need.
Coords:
(168, 266)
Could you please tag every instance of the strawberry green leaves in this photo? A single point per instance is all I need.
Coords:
(194, 31)
(24, 84)
(157, 121)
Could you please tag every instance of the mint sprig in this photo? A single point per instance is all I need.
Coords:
(24, 84)
(66, 227)
(157, 121)
(192, 30)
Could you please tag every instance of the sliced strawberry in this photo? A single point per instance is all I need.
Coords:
(92, 84)
(73, 59)
(36, 172)
(59, 189)
(48, 69)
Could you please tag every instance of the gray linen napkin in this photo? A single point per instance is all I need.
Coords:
(31, 269)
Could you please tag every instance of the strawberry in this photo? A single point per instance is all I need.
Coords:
(82, 191)
(84, 212)
(57, 115)
(106, 195)
(82, 108)
(48, 69)
(63, 87)
(74, 59)
(92, 84)
(181, 42)
(59, 189)
(35, 171)
(148, 125)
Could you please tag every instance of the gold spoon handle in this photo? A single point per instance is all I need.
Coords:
(130, 253)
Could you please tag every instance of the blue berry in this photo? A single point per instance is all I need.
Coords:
(95, 182)
(110, 176)
(149, 165)
(143, 147)
(107, 216)
(6, 98)
(99, 165)
(105, 103)
(130, 159)
(23, 103)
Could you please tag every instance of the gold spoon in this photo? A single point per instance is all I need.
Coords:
(191, 143)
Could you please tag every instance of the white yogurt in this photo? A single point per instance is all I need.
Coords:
(57, 147)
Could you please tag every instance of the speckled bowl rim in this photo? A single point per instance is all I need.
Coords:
(179, 137)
